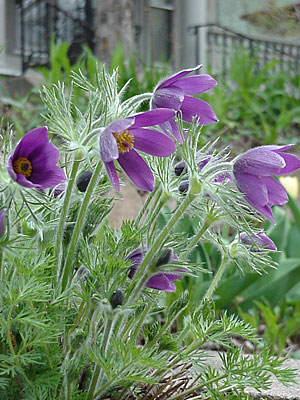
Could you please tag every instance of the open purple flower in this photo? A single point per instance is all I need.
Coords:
(174, 93)
(258, 242)
(120, 139)
(2, 222)
(160, 281)
(253, 173)
(33, 163)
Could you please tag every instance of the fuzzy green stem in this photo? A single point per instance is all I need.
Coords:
(217, 278)
(64, 212)
(1, 266)
(141, 274)
(145, 206)
(68, 265)
(97, 370)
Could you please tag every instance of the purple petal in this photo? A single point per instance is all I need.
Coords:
(196, 84)
(11, 168)
(112, 174)
(153, 142)
(173, 277)
(260, 162)
(173, 78)
(136, 256)
(47, 178)
(253, 187)
(137, 170)
(292, 163)
(262, 209)
(31, 141)
(44, 157)
(192, 107)
(276, 192)
(277, 148)
(152, 117)
(171, 127)
(171, 97)
(257, 240)
(120, 125)
(160, 282)
(23, 181)
(108, 146)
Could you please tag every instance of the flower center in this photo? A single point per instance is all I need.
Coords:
(125, 141)
(22, 166)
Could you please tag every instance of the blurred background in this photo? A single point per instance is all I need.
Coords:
(182, 33)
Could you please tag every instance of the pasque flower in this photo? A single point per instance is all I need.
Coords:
(33, 163)
(120, 139)
(175, 93)
(2, 222)
(160, 281)
(258, 242)
(253, 173)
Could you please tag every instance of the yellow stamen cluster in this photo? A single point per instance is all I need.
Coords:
(125, 141)
(22, 166)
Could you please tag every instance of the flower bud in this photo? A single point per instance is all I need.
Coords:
(2, 222)
(83, 180)
(258, 242)
(180, 168)
(165, 258)
(116, 299)
(183, 187)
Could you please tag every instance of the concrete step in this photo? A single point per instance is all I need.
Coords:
(277, 391)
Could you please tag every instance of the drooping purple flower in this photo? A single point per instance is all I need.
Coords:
(175, 93)
(2, 222)
(253, 173)
(160, 281)
(258, 242)
(33, 163)
(120, 139)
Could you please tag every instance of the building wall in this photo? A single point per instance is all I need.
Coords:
(10, 64)
(190, 13)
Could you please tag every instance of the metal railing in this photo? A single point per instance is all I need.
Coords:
(40, 20)
(216, 45)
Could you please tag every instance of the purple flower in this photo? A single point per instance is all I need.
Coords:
(33, 163)
(159, 281)
(258, 242)
(120, 139)
(253, 172)
(174, 93)
(2, 222)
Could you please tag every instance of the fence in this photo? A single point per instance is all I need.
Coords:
(42, 19)
(221, 43)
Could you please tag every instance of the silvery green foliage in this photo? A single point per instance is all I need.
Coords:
(63, 338)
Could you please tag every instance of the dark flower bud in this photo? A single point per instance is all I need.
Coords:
(180, 168)
(165, 258)
(116, 299)
(83, 180)
(183, 187)
(2, 222)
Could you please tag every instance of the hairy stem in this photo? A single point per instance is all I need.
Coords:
(217, 278)
(69, 261)
(145, 205)
(58, 249)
